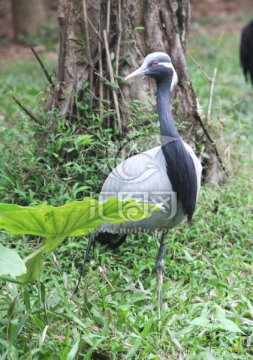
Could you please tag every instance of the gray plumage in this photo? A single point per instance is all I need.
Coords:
(169, 174)
(149, 176)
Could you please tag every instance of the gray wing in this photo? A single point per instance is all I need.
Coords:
(143, 177)
(145, 172)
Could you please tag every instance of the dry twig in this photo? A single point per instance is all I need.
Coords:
(27, 111)
(100, 69)
(43, 67)
(87, 38)
(199, 66)
(208, 114)
(210, 100)
(119, 40)
(108, 17)
(115, 98)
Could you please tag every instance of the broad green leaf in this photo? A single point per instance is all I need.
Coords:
(77, 218)
(10, 262)
(10, 207)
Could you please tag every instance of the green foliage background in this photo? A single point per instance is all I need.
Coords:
(208, 278)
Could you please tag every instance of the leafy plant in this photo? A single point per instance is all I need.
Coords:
(10, 262)
(55, 223)
(208, 266)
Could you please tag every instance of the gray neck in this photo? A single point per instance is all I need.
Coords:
(179, 164)
(167, 125)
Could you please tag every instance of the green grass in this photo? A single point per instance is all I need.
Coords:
(208, 310)
(25, 80)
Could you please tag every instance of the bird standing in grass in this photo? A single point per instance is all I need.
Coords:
(246, 51)
(169, 174)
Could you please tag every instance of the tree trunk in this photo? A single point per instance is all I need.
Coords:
(103, 40)
(28, 16)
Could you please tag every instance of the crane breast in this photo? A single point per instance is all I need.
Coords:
(142, 172)
(145, 172)
(144, 177)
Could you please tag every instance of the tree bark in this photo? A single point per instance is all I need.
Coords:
(103, 40)
(28, 16)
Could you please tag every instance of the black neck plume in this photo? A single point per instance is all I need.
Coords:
(180, 167)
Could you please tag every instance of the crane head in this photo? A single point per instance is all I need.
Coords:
(159, 66)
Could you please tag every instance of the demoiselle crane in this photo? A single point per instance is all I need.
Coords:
(169, 174)
(246, 51)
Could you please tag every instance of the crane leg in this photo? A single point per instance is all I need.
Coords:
(159, 270)
(91, 243)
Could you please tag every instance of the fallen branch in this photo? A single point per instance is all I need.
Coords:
(27, 111)
(43, 67)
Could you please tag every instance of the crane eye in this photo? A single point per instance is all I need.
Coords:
(155, 63)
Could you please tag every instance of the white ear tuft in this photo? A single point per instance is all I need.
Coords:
(174, 77)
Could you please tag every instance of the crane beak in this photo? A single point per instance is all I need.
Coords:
(141, 71)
